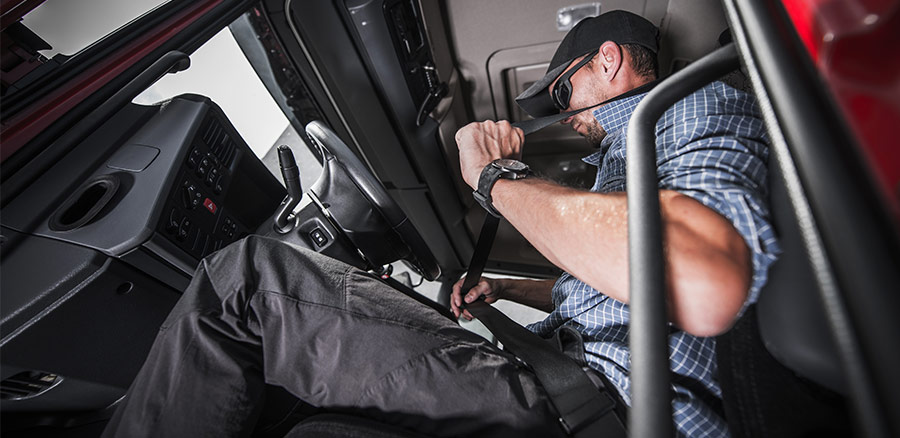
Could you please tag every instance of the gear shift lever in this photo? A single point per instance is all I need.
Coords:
(291, 174)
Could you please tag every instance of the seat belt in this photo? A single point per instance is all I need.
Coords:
(584, 409)
(533, 125)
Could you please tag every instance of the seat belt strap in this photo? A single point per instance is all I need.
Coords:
(533, 125)
(584, 410)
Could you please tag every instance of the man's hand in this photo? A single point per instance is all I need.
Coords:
(480, 143)
(488, 287)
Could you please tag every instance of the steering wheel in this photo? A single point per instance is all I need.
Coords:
(362, 208)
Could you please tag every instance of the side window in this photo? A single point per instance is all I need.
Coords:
(220, 70)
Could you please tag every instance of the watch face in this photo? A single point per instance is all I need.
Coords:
(511, 165)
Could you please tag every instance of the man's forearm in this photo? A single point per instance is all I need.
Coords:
(585, 233)
(532, 293)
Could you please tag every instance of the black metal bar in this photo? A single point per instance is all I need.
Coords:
(651, 409)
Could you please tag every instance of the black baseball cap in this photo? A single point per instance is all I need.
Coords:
(620, 27)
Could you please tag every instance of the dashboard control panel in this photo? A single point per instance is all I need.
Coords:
(222, 192)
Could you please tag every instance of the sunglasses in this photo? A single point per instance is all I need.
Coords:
(562, 91)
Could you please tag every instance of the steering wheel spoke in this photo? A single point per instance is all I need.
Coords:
(362, 209)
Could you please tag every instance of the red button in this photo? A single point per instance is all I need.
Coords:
(211, 206)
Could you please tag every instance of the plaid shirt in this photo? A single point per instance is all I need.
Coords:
(711, 146)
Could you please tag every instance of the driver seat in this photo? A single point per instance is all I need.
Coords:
(778, 366)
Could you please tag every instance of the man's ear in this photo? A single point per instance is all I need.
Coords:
(609, 60)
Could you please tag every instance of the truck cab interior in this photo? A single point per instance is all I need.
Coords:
(108, 205)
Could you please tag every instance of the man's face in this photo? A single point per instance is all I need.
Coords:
(586, 91)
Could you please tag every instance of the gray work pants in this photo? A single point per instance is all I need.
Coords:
(262, 311)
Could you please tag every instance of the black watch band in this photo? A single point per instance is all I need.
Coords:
(502, 168)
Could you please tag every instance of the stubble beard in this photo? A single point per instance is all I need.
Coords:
(595, 133)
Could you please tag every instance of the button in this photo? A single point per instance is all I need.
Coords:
(212, 176)
(220, 182)
(196, 199)
(203, 167)
(194, 158)
(184, 229)
(318, 237)
(174, 221)
(228, 227)
(210, 205)
(188, 192)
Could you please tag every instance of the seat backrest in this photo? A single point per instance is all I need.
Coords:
(778, 366)
(792, 321)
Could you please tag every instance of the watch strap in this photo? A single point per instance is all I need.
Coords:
(489, 176)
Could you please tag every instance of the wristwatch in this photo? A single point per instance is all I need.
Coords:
(501, 168)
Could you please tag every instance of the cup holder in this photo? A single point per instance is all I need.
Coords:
(85, 203)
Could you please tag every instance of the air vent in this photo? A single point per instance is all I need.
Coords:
(219, 142)
(28, 384)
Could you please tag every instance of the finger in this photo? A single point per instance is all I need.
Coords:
(464, 131)
(521, 134)
(480, 289)
(457, 287)
(472, 295)
(455, 304)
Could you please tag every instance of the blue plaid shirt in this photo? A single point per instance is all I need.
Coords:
(711, 146)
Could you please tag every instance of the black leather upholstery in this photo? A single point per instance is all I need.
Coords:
(792, 320)
(778, 365)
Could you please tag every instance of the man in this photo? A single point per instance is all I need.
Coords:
(711, 158)
(262, 311)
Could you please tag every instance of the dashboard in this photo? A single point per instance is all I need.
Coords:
(96, 251)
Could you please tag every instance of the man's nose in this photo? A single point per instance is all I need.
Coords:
(567, 120)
